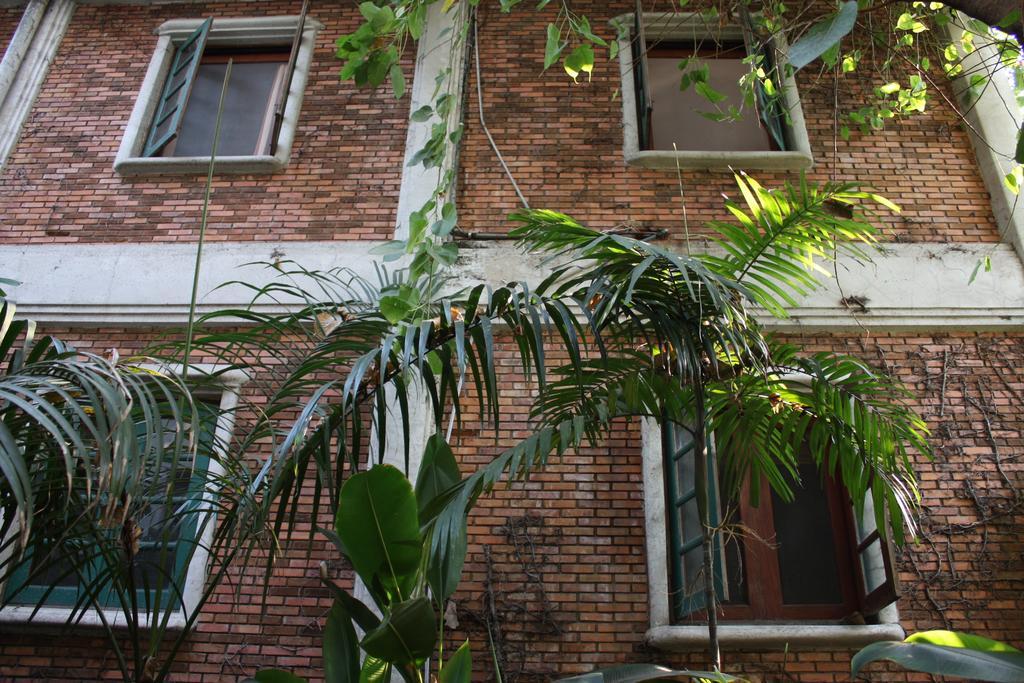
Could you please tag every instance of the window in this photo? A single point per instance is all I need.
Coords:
(806, 566)
(171, 128)
(168, 529)
(173, 537)
(666, 126)
(795, 560)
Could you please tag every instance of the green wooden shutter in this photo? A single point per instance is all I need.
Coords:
(641, 80)
(684, 528)
(167, 120)
(770, 107)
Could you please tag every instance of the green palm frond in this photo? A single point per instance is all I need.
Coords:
(855, 423)
(782, 237)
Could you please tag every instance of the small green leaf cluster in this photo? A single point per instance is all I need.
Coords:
(571, 28)
(371, 53)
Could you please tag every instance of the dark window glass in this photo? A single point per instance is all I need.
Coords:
(247, 121)
(805, 543)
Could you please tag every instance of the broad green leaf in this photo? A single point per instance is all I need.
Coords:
(958, 639)
(341, 647)
(394, 308)
(553, 46)
(422, 114)
(459, 668)
(1018, 155)
(823, 35)
(1015, 178)
(709, 93)
(438, 471)
(378, 524)
(406, 635)
(997, 667)
(375, 671)
(397, 80)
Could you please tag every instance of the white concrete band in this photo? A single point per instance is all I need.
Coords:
(32, 67)
(908, 286)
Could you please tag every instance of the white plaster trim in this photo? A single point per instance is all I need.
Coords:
(242, 32)
(54, 618)
(654, 523)
(773, 636)
(683, 25)
(440, 48)
(995, 121)
(908, 286)
(20, 42)
(31, 73)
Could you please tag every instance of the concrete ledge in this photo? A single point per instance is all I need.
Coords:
(55, 619)
(200, 165)
(713, 161)
(770, 636)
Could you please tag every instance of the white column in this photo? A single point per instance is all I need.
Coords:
(28, 66)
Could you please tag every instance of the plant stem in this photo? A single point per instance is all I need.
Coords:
(700, 470)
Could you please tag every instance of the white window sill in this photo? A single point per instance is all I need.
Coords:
(56, 619)
(746, 161)
(770, 636)
(199, 165)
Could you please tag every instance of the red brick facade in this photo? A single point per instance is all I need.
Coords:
(60, 184)
(564, 555)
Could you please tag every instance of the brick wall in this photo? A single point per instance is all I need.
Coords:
(9, 18)
(59, 185)
(564, 554)
(564, 557)
(563, 143)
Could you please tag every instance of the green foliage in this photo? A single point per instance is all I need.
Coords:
(378, 525)
(91, 452)
(948, 653)
(823, 36)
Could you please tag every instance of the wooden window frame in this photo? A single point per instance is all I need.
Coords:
(222, 55)
(759, 559)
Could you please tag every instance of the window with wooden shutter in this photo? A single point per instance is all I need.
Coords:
(684, 107)
(787, 560)
(641, 80)
(171, 106)
(684, 527)
(73, 572)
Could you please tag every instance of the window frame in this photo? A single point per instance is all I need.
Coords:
(225, 33)
(229, 383)
(690, 26)
(664, 634)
